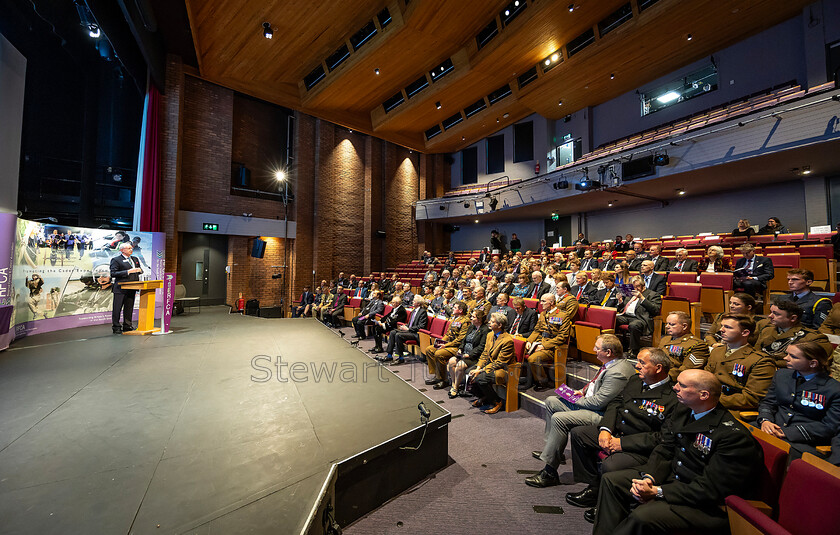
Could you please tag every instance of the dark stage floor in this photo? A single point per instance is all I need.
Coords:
(176, 434)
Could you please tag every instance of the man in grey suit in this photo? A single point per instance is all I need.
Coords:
(682, 263)
(562, 414)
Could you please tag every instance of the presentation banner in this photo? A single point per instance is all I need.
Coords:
(61, 275)
(7, 292)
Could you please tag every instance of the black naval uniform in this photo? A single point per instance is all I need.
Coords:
(698, 464)
(806, 425)
(636, 416)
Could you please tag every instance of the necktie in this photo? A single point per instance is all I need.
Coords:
(799, 381)
(628, 305)
(606, 298)
(580, 291)
(515, 323)
(680, 265)
(600, 371)
(647, 281)
(536, 290)
(795, 298)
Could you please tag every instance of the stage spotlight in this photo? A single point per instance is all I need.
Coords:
(268, 33)
(561, 184)
(587, 185)
(466, 205)
(571, 7)
(661, 159)
(93, 31)
(494, 202)
(280, 175)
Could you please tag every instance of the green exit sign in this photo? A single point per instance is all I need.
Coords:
(555, 217)
(211, 226)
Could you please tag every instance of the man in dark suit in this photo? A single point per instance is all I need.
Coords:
(705, 455)
(584, 290)
(538, 287)
(368, 314)
(608, 297)
(654, 282)
(682, 263)
(563, 414)
(588, 262)
(629, 430)
(637, 313)
(124, 268)
(523, 320)
(543, 248)
(388, 324)
(751, 271)
(660, 263)
(608, 263)
(633, 262)
(335, 310)
(418, 320)
(306, 300)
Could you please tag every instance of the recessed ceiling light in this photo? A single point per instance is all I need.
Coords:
(680, 191)
(376, 71)
(506, 115)
(476, 220)
(555, 56)
(688, 37)
(547, 61)
(806, 169)
(571, 7)
(507, 12)
(437, 105)
(559, 102)
(612, 76)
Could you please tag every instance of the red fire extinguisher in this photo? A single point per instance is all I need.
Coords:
(537, 168)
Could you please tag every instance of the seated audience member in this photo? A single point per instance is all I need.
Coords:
(685, 351)
(437, 356)
(524, 319)
(588, 262)
(624, 245)
(417, 320)
(352, 282)
(467, 298)
(802, 406)
(559, 260)
(448, 301)
(595, 277)
(629, 430)
(502, 306)
(450, 261)
(322, 302)
(565, 300)
(608, 297)
(551, 333)
(388, 323)
(368, 314)
(621, 276)
(682, 263)
(744, 373)
(704, 455)
(470, 350)
(637, 312)
(583, 291)
(743, 229)
(362, 288)
(492, 291)
(831, 325)
(342, 280)
(436, 302)
(660, 263)
(543, 248)
(773, 226)
(752, 272)
(608, 263)
(334, 314)
(655, 282)
(633, 262)
(305, 304)
(639, 249)
(538, 288)
(783, 329)
(481, 302)
(407, 295)
(491, 369)
(515, 243)
(580, 243)
(562, 414)
(445, 276)
(550, 272)
(522, 287)
(814, 308)
(739, 303)
(715, 261)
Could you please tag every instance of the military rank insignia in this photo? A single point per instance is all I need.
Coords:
(812, 399)
(697, 361)
(703, 443)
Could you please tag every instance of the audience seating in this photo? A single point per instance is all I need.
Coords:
(351, 309)
(436, 331)
(715, 292)
(599, 320)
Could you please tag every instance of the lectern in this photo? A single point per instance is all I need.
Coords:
(146, 320)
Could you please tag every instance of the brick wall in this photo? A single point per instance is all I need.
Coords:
(171, 125)
(252, 276)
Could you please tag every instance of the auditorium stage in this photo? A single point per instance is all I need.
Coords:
(193, 432)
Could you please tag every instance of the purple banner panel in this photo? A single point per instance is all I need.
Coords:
(8, 224)
(168, 301)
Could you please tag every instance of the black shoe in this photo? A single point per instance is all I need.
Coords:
(398, 362)
(432, 381)
(117, 330)
(542, 388)
(440, 385)
(126, 328)
(542, 480)
(536, 454)
(588, 497)
(377, 350)
(386, 358)
(589, 515)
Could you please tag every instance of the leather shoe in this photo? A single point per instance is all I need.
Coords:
(440, 385)
(452, 394)
(495, 408)
(588, 497)
(126, 328)
(478, 403)
(542, 388)
(377, 350)
(589, 515)
(398, 362)
(117, 330)
(536, 454)
(542, 480)
(432, 381)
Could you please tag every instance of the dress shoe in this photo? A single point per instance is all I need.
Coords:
(126, 328)
(453, 394)
(377, 350)
(398, 362)
(536, 454)
(117, 330)
(542, 388)
(589, 515)
(478, 403)
(495, 408)
(432, 381)
(588, 497)
(542, 480)
(440, 385)
(386, 358)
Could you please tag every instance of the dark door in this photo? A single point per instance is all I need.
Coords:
(203, 260)
(554, 230)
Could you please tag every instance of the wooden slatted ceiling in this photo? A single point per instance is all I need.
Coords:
(232, 52)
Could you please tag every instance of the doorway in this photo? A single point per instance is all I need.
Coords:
(559, 231)
(203, 260)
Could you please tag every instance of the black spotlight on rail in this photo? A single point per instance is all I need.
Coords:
(494, 202)
(661, 159)
(561, 184)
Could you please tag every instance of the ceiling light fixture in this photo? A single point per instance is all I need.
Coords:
(688, 37)
(571, 7)
(612, 76)
(670, 96)
(268, 33)
(680, 191)
(476, 220)
(806, 169)
(559, 102)
(93, 31)
(376, 72)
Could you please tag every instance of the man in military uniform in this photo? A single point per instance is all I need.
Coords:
(492, 366)
(705, 455)
(481, 302)
(322, 302)
(551, 333)
(744, 373)
(831, 325)
(565, 301)
(629, 430)
(785, 329)
(438, 357)
(814, 308)
(685, 350)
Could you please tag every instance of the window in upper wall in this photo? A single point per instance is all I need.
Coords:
(495, 154)
(469, 165)
(523, 142)
(692, 85)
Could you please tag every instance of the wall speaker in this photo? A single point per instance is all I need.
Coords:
(258, 249)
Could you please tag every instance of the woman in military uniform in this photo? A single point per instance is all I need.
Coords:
(739, 303)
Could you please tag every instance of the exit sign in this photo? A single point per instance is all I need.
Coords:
(211, 226)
